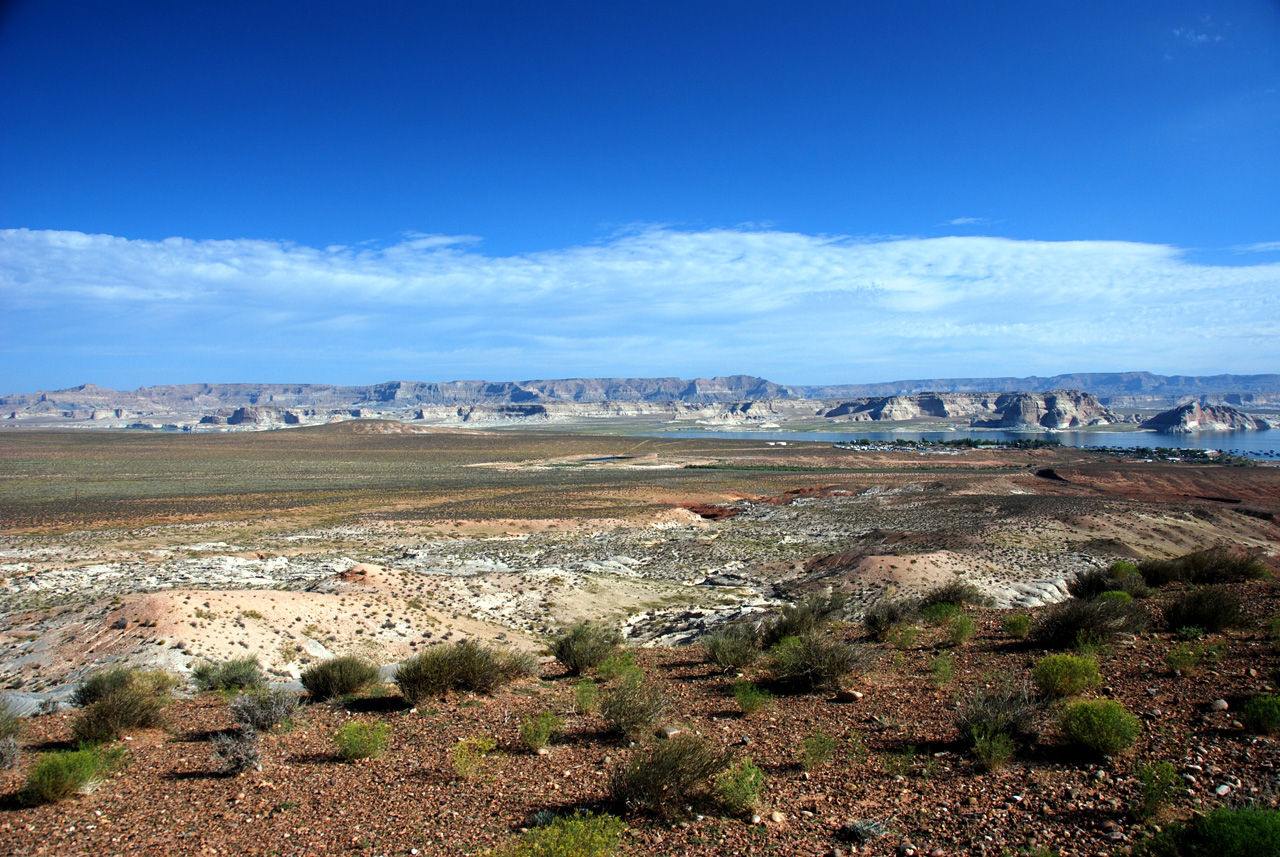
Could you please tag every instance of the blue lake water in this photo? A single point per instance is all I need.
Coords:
(1254, 444)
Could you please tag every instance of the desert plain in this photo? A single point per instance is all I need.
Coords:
(383, 539)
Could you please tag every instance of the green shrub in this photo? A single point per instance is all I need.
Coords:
(586, 697)
(1273, 628)
(1017, 626)
(942, 669)
(59, 775)
(1065, 675)
(338, 677)
(1117, 595)
(738, 789)
(664, 777)
(1100, 725)
(1005, 708)
(1068, 622)
(940, 613)
(580, 835)
(10, 723)
(1212, 608)
(1247, 832)
(584, 645)
(537, 732)
(1189, 633)
(1120, 577)
(119, 699)
(1188, 658)
(732, 647)
(634, 707)
(1159, 782)
(1216, 565)
(1261, 715)
(993, 749)
(904, 636)
(462, 666)
(956, 592)
(813, 661)
(468, 755)
(235, 674)
(887, 614)
(361, 740)
(262, 709)
(750, 697)
(818, 749)
(809, 616)
(617, 665)
(961, 629)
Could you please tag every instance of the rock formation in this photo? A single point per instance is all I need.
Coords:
(1197, 417)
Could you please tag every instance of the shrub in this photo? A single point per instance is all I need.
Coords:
(1117, 595)
(733, 647)
(468, 755)
(337, 677)
(584, 645)
(738, 789)
(537, 732)
(819, 747)
(120, 699)
(1065, 675)
(993, 749)
(56, 776)
(10, 723)
(1218, 564)
(750, 697)
(262, 709)
(617, 665)
(903, 637)
(465, 665)
(1067, 622)
(886, 614)
(1224, 832)
(813, 661)
(1212, 608)
(664, 777)
(1017, 626)
(942, 668)
(1273, 628)
(961, 629)
(1261, 715)
(234, 674)
(956, 592)
(1188, 658)
(361, 740)
(808, 616)
(1120, 577)
(10, 753)
(1159, 782)
(238, 750)
(634, 707)
(586, 697)
(1100, 725)
(580, 835)
(1189, 633)
(940, 613)
(1004, 709)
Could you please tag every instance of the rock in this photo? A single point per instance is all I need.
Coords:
(755, 819)
(668, 732)
(1218, 705)
(846, 696)
(1222, 790)
(906, 849)
(777, 817)
(1197, 417)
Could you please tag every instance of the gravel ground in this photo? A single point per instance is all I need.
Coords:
(899, 761)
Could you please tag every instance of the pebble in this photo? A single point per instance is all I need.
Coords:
(1218, 705)
(777, 817)
(1222, 790)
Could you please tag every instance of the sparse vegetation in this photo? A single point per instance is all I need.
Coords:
(1159, 783)
(1065, 624)
(738, 789)
(617, 665)
(1065, 675)
(664, 777)
(59, 775)
(961, 629)
(584, 646)
(634, 707)
(1189, 658)
(813, 661)
(262, 709)
(586, 697)
(942, 668)
(818, 749)
(993, 749)
(462, 666)
(1101, 725)
(338, 677)
(1261, 715)
(539, 731)
(578, 835)
(733, 647)
(887, 614)
(1224, 832)
(119, 699)
(467, 755)
(235, 674)
(956, 592)
(1218, 564)
(238, 750)
(1213, 608)
(804, 618)
(996, 719)
(751, 697)
(1017, 626)
(361, 740)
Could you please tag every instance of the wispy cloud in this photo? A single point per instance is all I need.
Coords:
(968, 221)
(1260, 247)
(651, 300)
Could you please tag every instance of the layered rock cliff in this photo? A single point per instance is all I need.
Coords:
(1197, 417)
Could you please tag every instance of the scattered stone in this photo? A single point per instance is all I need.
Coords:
(777, 817)
(1218, 705)
(846, 696)
(1222, 790)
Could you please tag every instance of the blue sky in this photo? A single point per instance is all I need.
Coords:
(812, 192)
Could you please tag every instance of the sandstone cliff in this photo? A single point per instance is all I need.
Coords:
(1197, 417)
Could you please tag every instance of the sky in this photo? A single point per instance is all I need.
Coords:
(816, 193)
